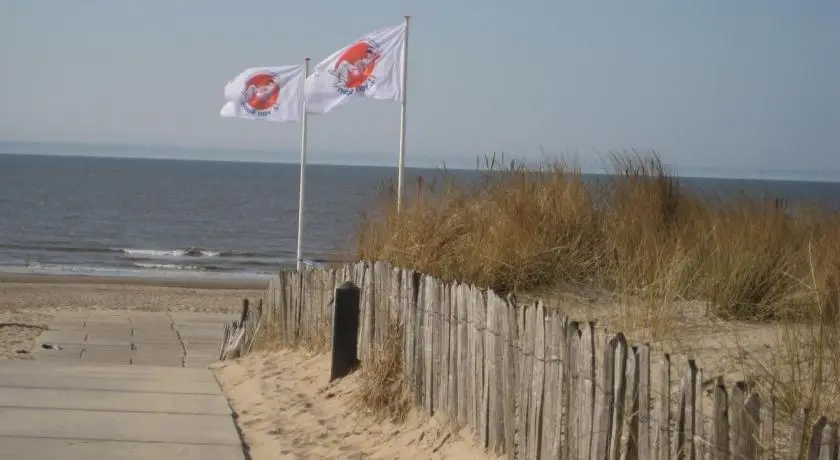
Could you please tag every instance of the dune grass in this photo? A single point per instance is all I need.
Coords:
(636, 233)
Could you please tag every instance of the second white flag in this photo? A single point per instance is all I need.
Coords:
(371, 67)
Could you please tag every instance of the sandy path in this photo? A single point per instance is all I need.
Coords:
(26, 305)
(287, 410)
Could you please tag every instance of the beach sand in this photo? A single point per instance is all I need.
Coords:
(27, 302)
(287, 409)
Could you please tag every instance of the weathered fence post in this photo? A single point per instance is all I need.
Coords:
(243, 316)
(345, 330)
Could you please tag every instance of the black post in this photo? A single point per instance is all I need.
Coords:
(345, 330)
(244, 314)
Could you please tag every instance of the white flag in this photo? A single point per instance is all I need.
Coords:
(266, 93)
(370, 67)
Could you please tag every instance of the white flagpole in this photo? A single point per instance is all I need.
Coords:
(401, 167)
(302, 173)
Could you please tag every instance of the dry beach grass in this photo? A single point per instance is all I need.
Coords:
(748, 287)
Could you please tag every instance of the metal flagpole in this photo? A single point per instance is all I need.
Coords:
(401, 168)
(302, 173)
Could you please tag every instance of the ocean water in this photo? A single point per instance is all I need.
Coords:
(118, 216)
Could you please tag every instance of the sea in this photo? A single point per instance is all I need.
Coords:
(81, 215)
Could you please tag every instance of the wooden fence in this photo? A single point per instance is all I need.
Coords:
(533, 383)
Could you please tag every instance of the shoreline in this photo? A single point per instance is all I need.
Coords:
(186, 282)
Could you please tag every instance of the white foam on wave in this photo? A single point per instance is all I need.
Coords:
(155, 252)
(171, 267)
(171, 252)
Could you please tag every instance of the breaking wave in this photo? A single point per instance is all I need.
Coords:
(187, 267)
(189, 252)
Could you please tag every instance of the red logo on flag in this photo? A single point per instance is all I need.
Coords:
(355, 66)
(261, 94)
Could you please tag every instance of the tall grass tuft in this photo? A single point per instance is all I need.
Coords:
(636, 231)
(384, 390)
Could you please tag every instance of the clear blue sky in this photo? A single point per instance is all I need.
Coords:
(747, 84)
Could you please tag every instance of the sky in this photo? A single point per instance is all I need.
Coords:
(714, 85)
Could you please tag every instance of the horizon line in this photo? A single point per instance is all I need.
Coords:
(710, 174)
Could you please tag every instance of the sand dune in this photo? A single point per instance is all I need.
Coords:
(287, 410)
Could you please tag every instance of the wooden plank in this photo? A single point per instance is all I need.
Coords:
(305, 303)
(719, 448)
(309, 308)
(460, 362)
(283, 308)
(736, 424)
(277, 303)
(291, 311)
(687, 415)
(751, 425)
(477, 328)
(387, 313)
(828, 444)
(289, 286)
(663, 409)
(396, 312)
(435, 308)
(562, 389)
(300, 300)
(645, 435)
(535, 405)
(604, 403)
(797, 435)
(767, 438)
(454, 352)
(309, 304)
(322, 296)
(368, 328)
(481, 361)
(495, 420)
(329, 292)
(526, 379)
(444, 350)
(471, 366)
(419, 342)
(381, 280)
(297, 289)
(701, 439)
(357, 273)
(269, 300)
(620, 351)
(587, 392)
(571, 392)
(816, 436)
(316, 307)
(489, 372)
(409, 299)
(508, 332)
(521, 398)
(428, 349)
(551, 386)
(407, 321)
(300, 310)
(630, 447)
